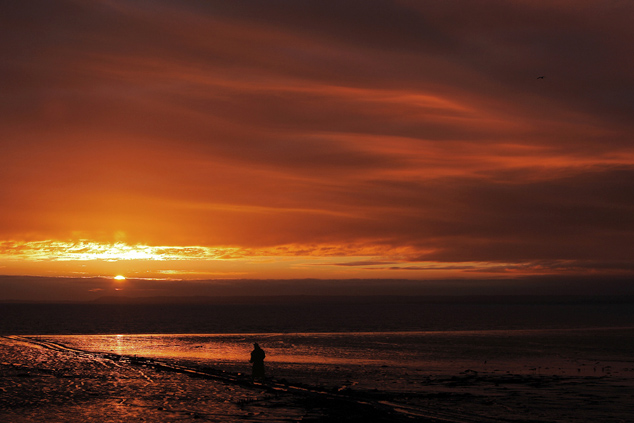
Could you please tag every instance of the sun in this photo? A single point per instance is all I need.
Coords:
(119, 278)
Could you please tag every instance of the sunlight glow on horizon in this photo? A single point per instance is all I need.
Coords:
(91, 259)
(90, 250)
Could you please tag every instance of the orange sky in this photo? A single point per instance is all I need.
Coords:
(317, 139)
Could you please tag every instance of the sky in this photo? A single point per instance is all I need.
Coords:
(359, 139)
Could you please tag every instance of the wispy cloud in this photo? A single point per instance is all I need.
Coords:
(409, 132)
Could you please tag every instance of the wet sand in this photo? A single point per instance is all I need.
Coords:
(41, 381)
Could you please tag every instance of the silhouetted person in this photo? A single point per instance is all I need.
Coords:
(257, 358)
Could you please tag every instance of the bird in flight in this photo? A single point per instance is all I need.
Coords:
(540, 77)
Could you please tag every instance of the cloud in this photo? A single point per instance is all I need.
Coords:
(306, 126)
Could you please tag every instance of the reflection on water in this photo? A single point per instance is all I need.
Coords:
(440, 352)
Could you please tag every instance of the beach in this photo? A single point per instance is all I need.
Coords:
(45, 383)
(48, 378)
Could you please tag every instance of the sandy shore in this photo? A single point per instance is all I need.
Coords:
(46, 382)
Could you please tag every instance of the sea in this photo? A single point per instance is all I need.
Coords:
(431, 338)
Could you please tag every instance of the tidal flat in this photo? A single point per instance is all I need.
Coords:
(318, 378)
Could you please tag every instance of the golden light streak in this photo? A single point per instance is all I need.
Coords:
(90, 250)
(85, 250)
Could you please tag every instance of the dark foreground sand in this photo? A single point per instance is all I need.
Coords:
(45, 382)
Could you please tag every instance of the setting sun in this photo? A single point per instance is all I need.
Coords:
(119, 278)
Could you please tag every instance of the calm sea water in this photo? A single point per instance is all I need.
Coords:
(42, 319)
(384, 346)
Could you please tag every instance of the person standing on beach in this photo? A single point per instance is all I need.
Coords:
(257, 358)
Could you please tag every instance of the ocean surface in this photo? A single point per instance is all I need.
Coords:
(84, 319)
(427, 338)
